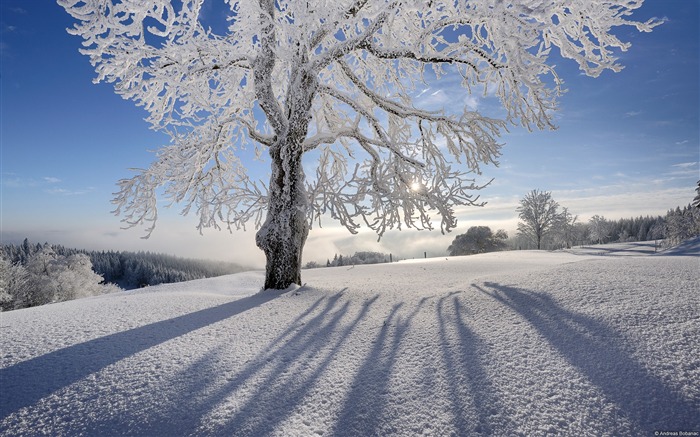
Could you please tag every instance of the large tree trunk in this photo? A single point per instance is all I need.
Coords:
(286, 227)
(283, 235)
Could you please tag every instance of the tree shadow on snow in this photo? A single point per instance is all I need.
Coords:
(27, 382)
(278, 378)
(636, 248)
(598, 352)
(687, 248)
(471, 392)
(364, 405)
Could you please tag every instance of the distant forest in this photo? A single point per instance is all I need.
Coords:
(676, 226)
(351, 260)
(37, 274)
(129, 270)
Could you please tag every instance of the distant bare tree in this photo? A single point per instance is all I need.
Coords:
(539, 214)
(565, 229)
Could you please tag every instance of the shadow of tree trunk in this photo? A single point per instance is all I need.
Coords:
(283, 375)
(25, 383)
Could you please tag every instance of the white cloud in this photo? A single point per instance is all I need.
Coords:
(617, 202)
(432, 101)
(66, 192)
(471, 102)
(177, 235)
(685, 165)
(51, 180)
(421, 93)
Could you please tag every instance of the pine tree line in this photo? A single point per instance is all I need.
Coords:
(36, 274)
(356, 259)
(677, 225)
(140, 269)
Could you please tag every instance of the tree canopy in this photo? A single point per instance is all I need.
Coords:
(478, 239)
(337, 79)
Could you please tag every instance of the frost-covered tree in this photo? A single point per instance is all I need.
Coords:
(539, 214)
(42, 284)
(14, 282)
(681, 224)
(335, 80)
(74, 278)
(599, 229)
(51, 277)
(565, 234)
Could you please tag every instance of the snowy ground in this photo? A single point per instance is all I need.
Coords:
(512, 343)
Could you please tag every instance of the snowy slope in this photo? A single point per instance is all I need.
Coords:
(511, 343)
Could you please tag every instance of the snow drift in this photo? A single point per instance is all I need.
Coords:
(509, 343)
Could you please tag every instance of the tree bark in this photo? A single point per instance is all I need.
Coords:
(283, 235)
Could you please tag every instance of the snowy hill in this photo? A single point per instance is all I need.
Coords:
(509, 343)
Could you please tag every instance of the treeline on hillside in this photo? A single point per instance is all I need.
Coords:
(676, 226)
(356, 259)
(36, 274)
(478, 239)
(543, 225)
(40, 276)
(135, 270)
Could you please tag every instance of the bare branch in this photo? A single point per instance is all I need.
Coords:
(342, 73)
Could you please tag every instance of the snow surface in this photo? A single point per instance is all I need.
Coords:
(509, 343)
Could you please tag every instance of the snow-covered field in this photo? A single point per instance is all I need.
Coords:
(578, 342)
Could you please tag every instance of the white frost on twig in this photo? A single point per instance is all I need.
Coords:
(368, 57)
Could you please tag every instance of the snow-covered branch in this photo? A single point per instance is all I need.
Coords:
(339, 79)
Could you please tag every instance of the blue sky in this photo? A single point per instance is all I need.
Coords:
(627, 144)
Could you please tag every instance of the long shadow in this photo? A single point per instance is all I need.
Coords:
(466, 373)
(253, 366)
(27, 382)
(305, 347)
(285, 371)
(687, 248)
(641, 248)
(598, 352)
(364, 405)
(365, 401)
(299, 327)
